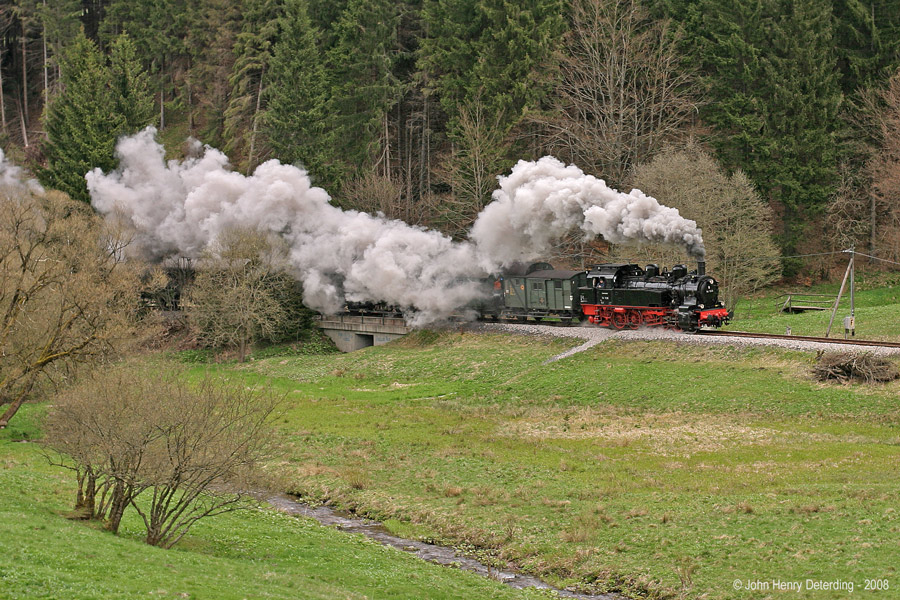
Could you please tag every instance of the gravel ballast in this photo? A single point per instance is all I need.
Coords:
(594, 335)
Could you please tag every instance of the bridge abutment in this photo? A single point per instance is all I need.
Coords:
(355, 332)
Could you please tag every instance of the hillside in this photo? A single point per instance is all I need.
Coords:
(248, 554)
(646, 466)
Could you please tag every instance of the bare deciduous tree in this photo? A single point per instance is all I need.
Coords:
(64, 292)
(845, 216)
(176, 451)
(476, 158)
(232, 299)
(883, 168)
(736, 223)
(623, 90)
(106, 425)
(375, 193)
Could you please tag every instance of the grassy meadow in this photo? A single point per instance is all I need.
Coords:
(243, 555)
(877, 309)
(653, 468)
(656, 469)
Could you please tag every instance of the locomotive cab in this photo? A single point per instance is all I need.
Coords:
(624, 295)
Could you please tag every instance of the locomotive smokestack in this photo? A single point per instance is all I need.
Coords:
(701, 267)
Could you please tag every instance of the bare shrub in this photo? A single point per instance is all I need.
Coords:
(193, 448)
(846, 366)
(235, 298)
(65, 293)
(104, 424)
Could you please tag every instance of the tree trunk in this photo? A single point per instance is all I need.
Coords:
(2, 100)
(255, 122)
(12, 410)
(120, 500)
(162, 95)
(46, 66)
(162, 108)
(24, 112)
(86, 499)
(872, 223)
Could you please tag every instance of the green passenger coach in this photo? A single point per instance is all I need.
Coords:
(540, 291)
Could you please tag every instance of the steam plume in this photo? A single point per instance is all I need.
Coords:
(539, 202)
(180, 207)
(12, 176)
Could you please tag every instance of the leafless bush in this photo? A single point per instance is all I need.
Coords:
(65, 293)
(846, 366)
(233, 299)
(193, 448)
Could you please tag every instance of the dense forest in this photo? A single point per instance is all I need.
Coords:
(413, 107)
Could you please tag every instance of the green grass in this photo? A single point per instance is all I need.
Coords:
(876, 300)
(655, 468)
(248, 554)
(659, 469)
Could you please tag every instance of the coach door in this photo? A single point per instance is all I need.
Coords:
(537, 293)
(514, 292)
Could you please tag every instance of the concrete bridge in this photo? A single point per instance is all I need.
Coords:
(354, 332)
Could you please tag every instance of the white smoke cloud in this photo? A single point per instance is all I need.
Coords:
(180, 208)
(539, 202)
(12, 176)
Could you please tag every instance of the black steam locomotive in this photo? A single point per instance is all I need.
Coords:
(610, 295)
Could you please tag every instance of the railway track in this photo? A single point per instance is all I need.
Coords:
(801, 338)
(744, 334)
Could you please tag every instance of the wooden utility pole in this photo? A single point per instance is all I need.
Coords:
(847, 274)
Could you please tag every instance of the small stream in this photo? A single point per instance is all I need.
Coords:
(441, 555)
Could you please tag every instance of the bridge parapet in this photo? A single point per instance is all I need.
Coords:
(354, 332)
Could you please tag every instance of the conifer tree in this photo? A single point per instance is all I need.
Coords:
(295, 92)
(252, 57)
(499, 50)
(362, 87)
(324, 15)
(131, 86)
(803, 102)
(774, 99)
(212, 34)
(82, 122)
(160, 34)
(60, 24)
(867, 39)
(97, 104)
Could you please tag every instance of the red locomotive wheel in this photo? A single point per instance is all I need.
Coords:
(635, 319)
(618, 320)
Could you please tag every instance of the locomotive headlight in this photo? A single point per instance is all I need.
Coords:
(702, 306)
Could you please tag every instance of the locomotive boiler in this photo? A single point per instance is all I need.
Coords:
(625, 295)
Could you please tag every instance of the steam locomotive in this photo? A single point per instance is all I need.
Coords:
(610, 295)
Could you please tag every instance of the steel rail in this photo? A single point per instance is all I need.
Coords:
(800, 338)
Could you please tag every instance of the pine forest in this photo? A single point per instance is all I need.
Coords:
(785, 114)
